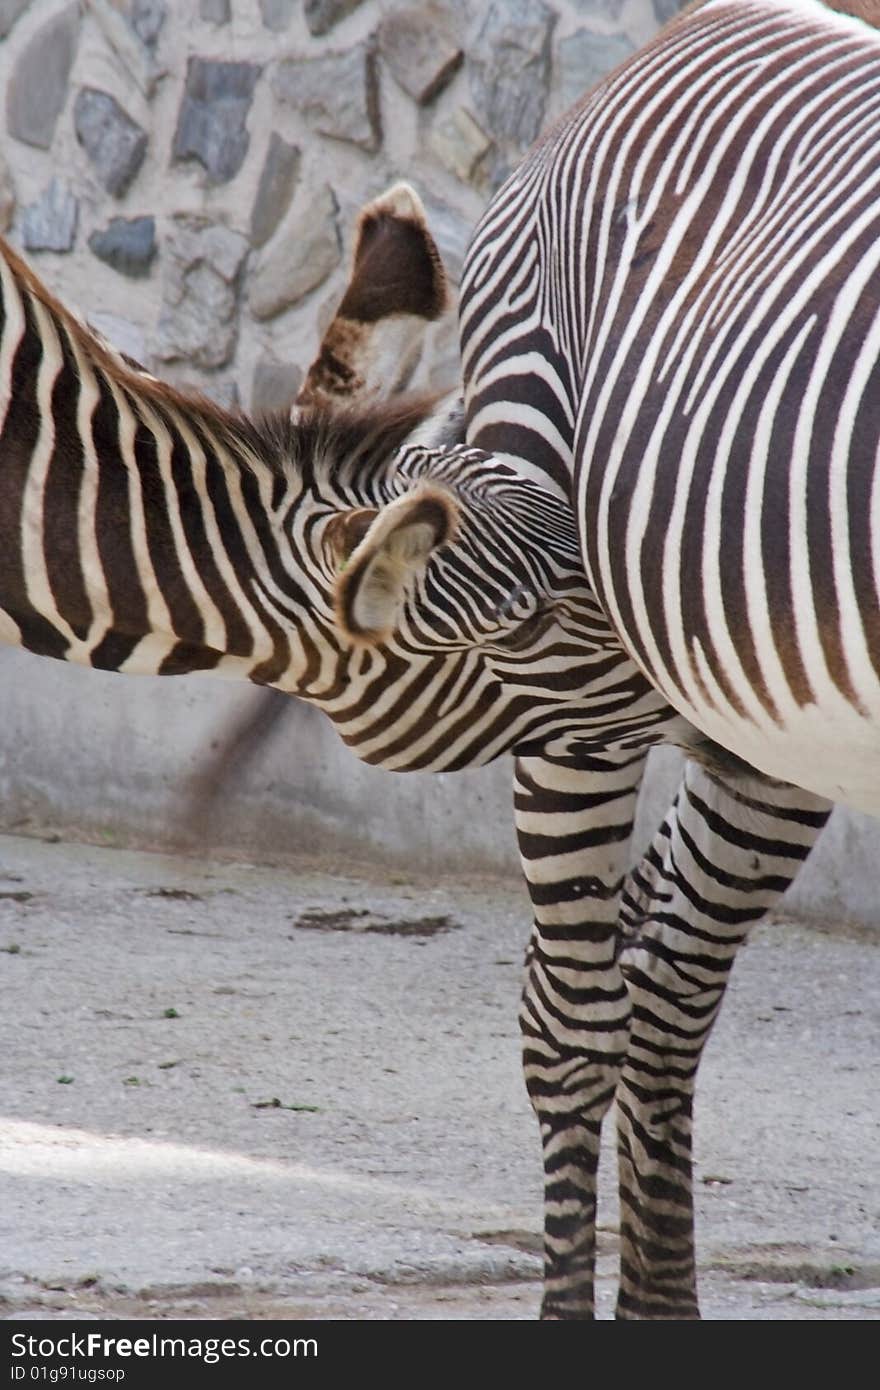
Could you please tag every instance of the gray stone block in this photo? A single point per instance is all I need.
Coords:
(215, 11)
(143, 17)
(128, 244)
(667, 9)
(509, 68)
(49, 224)
(9, 13)
(303, 252)
(274, 386)
(146, 18)
(419, 46)
(276, 14)
(38, 82)
(114, 143)
(460, 143)
(137, 59)
(275, 188)
(336, 93)
(583, 60)
(200, 292)
(211, 123)
(321, 15)
(605, 9)
(223, 391)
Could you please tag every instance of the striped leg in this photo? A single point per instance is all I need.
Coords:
(723, 857)
(574, 818)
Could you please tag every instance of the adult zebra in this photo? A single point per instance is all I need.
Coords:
(670, 313)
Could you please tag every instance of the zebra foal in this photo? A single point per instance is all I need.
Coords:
(149, 531)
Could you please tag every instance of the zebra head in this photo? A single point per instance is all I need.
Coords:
(431, 601)
(469, 526)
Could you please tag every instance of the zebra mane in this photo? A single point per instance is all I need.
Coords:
(318, 441)
(333, 443)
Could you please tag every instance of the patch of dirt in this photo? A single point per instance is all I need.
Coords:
(175, 894)
(530, 1242)
(228, 1300)
(409, 1184)
(361, 919)
(832, 1276)
(782, 1264)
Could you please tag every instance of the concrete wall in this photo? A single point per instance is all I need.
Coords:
(215, 261)
(116, 760)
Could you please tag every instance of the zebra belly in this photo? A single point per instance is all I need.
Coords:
(833, 752)
(828, 747)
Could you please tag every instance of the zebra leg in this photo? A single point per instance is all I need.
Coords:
(574, 818)
(724, 855)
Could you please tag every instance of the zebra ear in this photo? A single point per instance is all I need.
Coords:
(344, 533)
(397, 287)
(398, 543)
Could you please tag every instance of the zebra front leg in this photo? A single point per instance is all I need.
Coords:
(574, 818)
(724, 855)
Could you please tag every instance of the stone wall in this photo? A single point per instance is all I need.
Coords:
(188, 174)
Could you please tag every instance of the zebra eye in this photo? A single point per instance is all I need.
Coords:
(519, 604)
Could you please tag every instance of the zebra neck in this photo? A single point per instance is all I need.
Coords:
(145, 529)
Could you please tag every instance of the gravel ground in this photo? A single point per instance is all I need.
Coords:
(250, 1092)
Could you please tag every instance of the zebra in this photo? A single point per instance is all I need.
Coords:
(669, 313)
(440, 601)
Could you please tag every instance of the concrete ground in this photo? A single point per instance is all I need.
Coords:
(246, 1092)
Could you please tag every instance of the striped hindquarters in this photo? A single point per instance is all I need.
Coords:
(716, 227)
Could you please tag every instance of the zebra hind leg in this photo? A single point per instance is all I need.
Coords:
(574, 817)
(724, 855)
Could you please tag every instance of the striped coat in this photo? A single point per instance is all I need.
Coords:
(670, 314)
